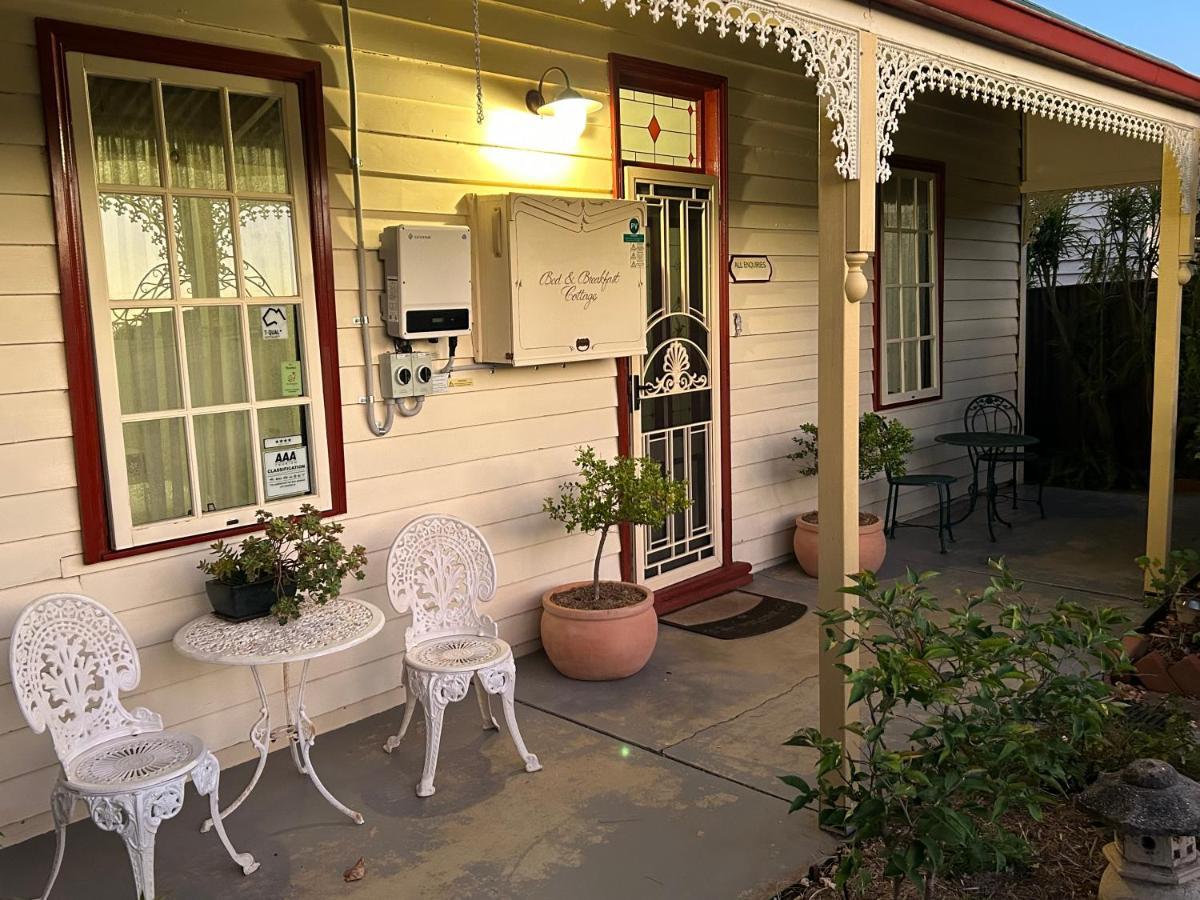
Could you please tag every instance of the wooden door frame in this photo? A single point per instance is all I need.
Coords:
(711, 90)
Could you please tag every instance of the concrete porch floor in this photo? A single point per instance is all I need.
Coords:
(660, 786)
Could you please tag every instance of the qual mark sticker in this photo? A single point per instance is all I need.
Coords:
(274, 323)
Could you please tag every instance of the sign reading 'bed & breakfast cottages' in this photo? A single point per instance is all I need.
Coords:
(584, 286)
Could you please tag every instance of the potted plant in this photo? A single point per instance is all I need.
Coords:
(883, 445)
(296, 556)
(599, 630)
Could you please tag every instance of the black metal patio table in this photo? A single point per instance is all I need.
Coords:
(991, 446)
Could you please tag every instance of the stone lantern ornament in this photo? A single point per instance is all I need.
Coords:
(1156, 813)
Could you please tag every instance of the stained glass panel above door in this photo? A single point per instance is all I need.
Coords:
(659, 129)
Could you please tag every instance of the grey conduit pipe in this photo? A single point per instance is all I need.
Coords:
(356, 177)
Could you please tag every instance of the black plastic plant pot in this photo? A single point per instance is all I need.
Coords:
(243, 602)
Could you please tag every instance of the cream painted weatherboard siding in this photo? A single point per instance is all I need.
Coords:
(774, 369)
(489, 452)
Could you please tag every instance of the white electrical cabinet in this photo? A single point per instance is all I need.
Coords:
(558, 279)
(427, 272)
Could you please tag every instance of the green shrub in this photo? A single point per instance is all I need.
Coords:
(883, 445)
(1151, 730)
(971, 711)
(626, 491)
(1167, 579)
(303, 550)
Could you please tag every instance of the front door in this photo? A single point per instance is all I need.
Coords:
(674, 387)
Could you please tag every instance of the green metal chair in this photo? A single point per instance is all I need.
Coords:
(932, 479)
(991, 412)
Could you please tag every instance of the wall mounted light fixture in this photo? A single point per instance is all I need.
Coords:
(568, 103)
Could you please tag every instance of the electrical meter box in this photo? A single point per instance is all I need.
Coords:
(558, 279)
(427, 273)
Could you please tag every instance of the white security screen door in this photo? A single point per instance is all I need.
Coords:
(674, 387)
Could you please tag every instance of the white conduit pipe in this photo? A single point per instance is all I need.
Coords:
(356, 177)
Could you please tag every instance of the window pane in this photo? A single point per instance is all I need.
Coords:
(926, 311)
(926, 364)
(225, 466)
(216, 366)
(910, 366)
(908, 187)
(891, 218)
(893, 368)
(279, 422)
(124, 131)
(924, 202)
(147, 360)
(204, 248)
(283, 431)
(268, 249)
(275, 351)
(891, 313)
(925, 257)
(135, 246)
(195, 137)
(908, 303)
(156, 463)
(891, 258)
(908, 258)
(259, 152)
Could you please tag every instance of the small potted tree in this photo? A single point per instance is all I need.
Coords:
(297, 556)
(600, 630)
(883, 445)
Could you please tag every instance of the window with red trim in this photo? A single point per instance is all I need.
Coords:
(194, 244)
(908, 311)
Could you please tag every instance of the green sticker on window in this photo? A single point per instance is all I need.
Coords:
(290, 373)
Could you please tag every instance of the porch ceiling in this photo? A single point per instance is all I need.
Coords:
(1062, 157)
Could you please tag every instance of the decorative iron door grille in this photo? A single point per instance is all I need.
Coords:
(673, 386)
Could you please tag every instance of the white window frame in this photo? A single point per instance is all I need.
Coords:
(888, 397)
(124, 533)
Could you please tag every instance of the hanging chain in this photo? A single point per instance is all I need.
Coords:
(478, 72)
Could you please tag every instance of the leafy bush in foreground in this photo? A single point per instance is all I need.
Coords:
(970, 712)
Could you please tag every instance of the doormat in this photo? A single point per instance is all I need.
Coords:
(769, 614)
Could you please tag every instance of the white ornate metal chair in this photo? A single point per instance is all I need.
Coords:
(70, 659)
(441, 568)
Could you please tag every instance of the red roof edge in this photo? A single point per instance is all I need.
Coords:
(1053, 38)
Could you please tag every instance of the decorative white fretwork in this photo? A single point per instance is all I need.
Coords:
(829, 52)
(904, 72)
(70, 660)
(1184, 144)
(677, 376)
(440, 568)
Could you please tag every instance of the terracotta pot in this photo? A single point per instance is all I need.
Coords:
(599, 644)
(872, 545)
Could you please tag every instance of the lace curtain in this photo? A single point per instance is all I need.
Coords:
(130, 154)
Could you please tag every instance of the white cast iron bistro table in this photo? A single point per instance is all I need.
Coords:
(320, 631)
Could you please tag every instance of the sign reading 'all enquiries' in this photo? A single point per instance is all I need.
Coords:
(744, 269)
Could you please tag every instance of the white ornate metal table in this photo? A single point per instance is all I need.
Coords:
(320, 631)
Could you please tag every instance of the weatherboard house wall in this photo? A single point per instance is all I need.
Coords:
(492, 448)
